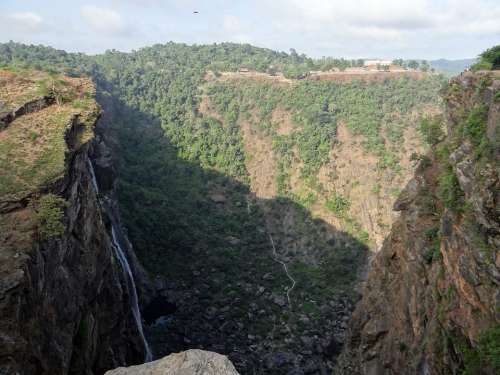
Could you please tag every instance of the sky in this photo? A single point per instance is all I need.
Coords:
(426, 29)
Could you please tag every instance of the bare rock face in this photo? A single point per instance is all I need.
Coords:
(65, 304)
(432, 294)
(190, 362)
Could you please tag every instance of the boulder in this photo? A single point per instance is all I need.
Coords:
(190, 362)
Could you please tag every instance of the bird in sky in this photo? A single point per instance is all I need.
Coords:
(195, 12)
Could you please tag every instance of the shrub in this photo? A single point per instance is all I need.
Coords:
(485, 357)
(449, 190)
(475, 125)
(497, 97)
(49, 216)
(55, 88)
(434, 252)
(431, 130)
(376, 189)
(338, 205)
(489, 59)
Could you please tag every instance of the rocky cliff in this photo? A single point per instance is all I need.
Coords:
(431, 301)
(66, 303)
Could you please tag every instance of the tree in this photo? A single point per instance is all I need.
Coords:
(413, 64)
(424, 66)
(398, 62)
(489, 59)
(431, 130)
(294, 55)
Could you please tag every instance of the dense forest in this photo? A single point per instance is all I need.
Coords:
(186, 199)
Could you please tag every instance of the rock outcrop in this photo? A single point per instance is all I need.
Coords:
(65, 304)
(431, 302)
(190, 362)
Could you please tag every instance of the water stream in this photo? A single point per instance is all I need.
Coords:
(92, 174)
(133, 291)
(122, 258)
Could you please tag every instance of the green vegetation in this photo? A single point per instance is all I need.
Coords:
(317, 107)
(488, 60)
(471, 127)
(475, 125)
(56, 88)
(49, 216)
(431, 130)
(484, 357)
(33, 146)
(183, 182)
(338, 205)
(474, 128)
(449, 189)
(433, 251)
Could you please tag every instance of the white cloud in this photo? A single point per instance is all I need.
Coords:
(232, 24)
(104, 20)
(22, 22)
(362, 28)
(235, 30)
(357, 28)
(367, 13)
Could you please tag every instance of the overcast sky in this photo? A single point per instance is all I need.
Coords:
(342, 28)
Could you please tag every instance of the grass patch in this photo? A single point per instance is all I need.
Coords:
(49, 216)
(33, 147)
(338, 205)
(449, 190)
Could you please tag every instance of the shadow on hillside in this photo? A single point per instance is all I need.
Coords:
(206, 235)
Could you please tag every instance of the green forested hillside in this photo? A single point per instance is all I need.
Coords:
(186, 191)
(317, 107)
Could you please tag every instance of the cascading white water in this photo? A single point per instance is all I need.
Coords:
(133, 291)
(92, 174)
(120, 255)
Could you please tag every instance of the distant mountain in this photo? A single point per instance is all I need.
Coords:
(451, 66)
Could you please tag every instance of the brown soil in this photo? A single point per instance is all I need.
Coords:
(365, 75)
(255, 76)
(207, 110)
(283, 120)
(260, 161)
(345, 76)
(353, 173)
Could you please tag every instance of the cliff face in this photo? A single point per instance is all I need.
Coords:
(65, 300)
(431, 301)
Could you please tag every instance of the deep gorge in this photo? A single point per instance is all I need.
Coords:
(222, 182)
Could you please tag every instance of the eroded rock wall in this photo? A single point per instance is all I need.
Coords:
(433, 290)
(64, 302)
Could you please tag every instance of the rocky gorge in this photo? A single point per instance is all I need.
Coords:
(152, 207)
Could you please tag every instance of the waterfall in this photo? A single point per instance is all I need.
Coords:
(92, 174)
(120, 255)
(133, 291)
